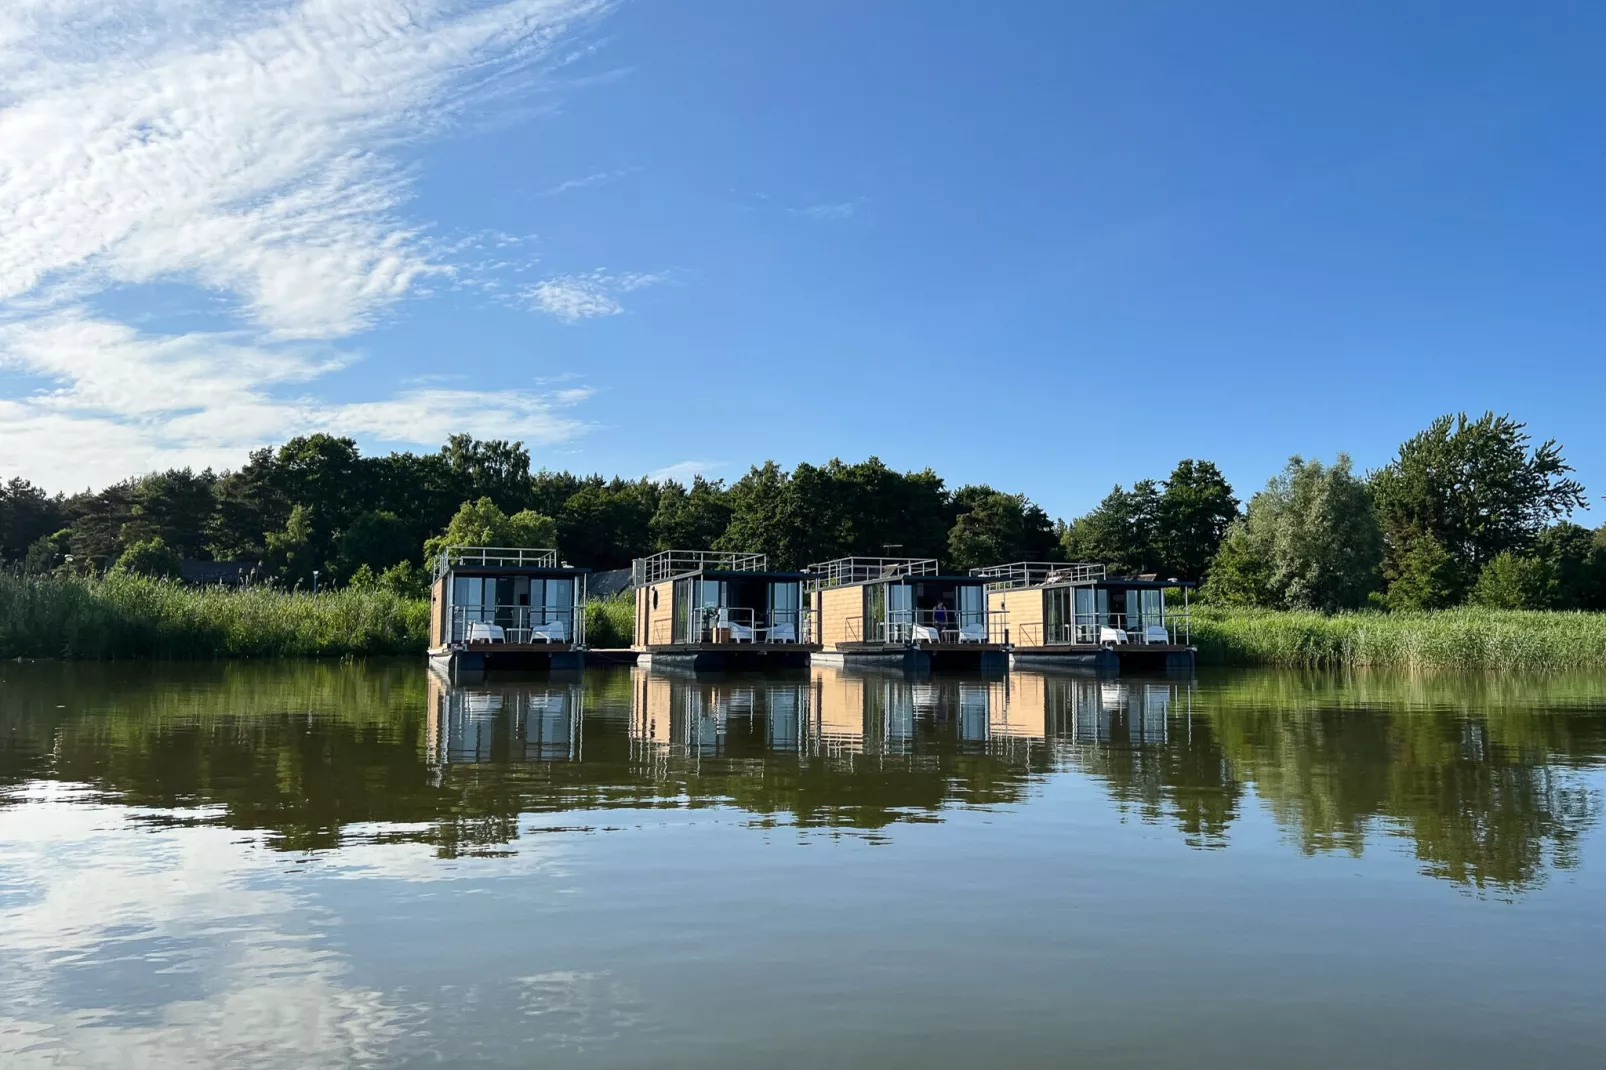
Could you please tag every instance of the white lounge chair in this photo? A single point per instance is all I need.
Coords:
(483, 631)
(975, 632)
(783, 633)
(1156, 633)
(924, 633)
(553, 631)
(739, 633)
(1111, 636)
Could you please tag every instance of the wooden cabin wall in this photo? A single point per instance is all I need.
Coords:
(1019, 610)
(650, 717)
(437, 613)
(654, 627)
(833, 609)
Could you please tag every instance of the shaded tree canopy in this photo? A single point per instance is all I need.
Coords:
(1172, 528)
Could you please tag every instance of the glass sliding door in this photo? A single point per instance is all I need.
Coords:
(972, 608)
(900, 612)
(785, 616)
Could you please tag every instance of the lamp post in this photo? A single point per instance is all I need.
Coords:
(314, 581)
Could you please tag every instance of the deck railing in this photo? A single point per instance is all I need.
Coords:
(518, 624)
(843, 571)
(1039, 574)
(494, 557)
(905, 626)
(1100, 629)
(669, 563)
(736, 624)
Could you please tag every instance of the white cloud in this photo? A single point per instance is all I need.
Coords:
(248, 148)
(572, 298)
(120, 402)
(830, 212)
(684, 471)
(597, 179)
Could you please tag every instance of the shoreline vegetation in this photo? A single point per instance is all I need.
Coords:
(124, 617)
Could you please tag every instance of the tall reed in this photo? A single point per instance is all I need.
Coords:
(1464, 638)
(611, 622)
(134, 617)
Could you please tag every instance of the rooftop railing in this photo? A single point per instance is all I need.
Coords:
(844, 571)
(668, 563)
(1038, 574)
(494, 557)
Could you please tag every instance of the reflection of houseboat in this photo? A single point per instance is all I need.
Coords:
(877, 711)
(510, 723)
(694, 715)
(902, 612)
(1089, 709)
(506, 608)
(700, 609)
(1077, 614)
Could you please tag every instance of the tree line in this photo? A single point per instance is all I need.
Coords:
(1468, 510)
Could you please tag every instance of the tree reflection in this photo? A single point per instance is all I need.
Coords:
(1482, 778)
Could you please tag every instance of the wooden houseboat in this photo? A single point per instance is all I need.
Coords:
(1078, 615)
(494, 608)
(709, 610)
(903, 612)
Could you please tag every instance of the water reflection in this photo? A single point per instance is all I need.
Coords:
(1484, 779)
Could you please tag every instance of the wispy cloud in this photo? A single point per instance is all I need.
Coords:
(597, 179)
(572, 298)
(247, 148)
(830, 212)
(685, 471)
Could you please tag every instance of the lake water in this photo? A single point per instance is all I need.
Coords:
(323, 865)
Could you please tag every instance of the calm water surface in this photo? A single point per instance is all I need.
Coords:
(354, 865)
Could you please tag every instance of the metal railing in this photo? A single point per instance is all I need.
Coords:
(736, 624)
(904, 626)
(518, 624)
(494, 557)
(668, 563)
(843, 571)
(1038, 574)
(1101, 629)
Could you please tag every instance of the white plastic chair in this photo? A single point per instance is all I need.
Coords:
(1111, 636)
(783, 633)
(740, 633)
(924, 633)
(553, 631)
(1156, 633)
(483, 631)
(975, 632)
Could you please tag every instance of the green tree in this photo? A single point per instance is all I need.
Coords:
(150, 557)
(481, 523)
(607, 525)
(1477, 487)
(690, 519)
(494, 468)
(1575, 564)
(376, 540)
(291, 553)
(1310, 540)
(998, 528)
(1122, 532)
(1192, 518)
(1512, 581)
(1425, 577)
(27, 514)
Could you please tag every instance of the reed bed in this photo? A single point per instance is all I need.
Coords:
(130, 617)
(611, 622)
(1466, 638)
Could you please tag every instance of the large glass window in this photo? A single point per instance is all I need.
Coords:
(900, 612)
(972, 606)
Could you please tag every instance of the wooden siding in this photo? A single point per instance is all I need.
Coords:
(1021, 611)
(832, 610)
(654, 627)
(437, 613)
(649, 721)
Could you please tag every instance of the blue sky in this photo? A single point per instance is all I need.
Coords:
(1047, 246)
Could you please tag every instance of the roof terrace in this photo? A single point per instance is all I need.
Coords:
(845, 571)
(1038, 574)
(668, 563)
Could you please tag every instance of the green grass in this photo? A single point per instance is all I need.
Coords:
(128, 617)
(1466, 638)
(611, 622)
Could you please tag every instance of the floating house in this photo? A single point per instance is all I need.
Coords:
(1078, 615)
(903, 612)
(507, 722)
(494, 608)
(709, 610)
